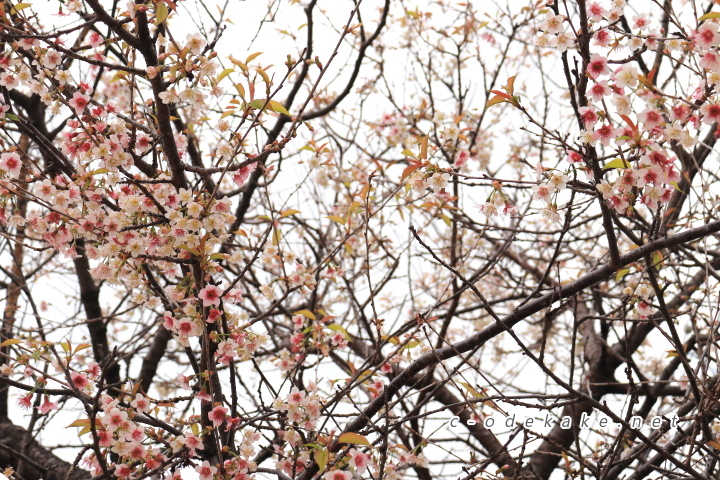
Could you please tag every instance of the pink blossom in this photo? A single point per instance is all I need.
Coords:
(47, 406)
(599, 90)
(710, 61)
(79, 102)
(241, 176)
(123, 470)
(95, 39)
(598, 66)
(606, 133)
(707, 35)
(359, 460)
(589, 116)
(602, 38)
(217, 415)
(543, 191)
(595, 11)
(11, 163)
(210, 295)
(80, 380)
(338, 475)
(25, 402)
(141, 403)
(651, 118)
(574, 157)
(710, 112)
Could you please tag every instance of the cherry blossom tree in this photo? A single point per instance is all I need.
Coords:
(364, 239)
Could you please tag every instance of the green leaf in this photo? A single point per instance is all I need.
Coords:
(161, 13)
(337, 219)
(709, 16)
(224, 74)
(306, 314)
(337, 328)
(278, 107)
(17, 7)
(621, 273)
(617, 163)
(354, 438)
(273, 105)
(258, 103)
(321, 458)
(252, 57)
(675, 184)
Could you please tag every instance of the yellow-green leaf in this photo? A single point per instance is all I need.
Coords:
(278, 107)
(621, 273)
(264, 75)
(241, 90)
(81, 347)
(495, 100)
(321, 458)
(617, 163)
(252, 57)
(277, 236)
(161, 13)
(120, 75)
(336, 218)
(408, 153)
(337, 328)
(306, 314)
(185, 247)
(19, 6)
(258, 103)
(354, 438)
(510, 86)
(709, 16)
(675, 184)
(10, 341)
(224, 74)
(287, 213)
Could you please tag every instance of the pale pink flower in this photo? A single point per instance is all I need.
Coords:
(595, 11)
(80, 380)
(47, 406)
(79, 102)
(707, 35)
(359, 460)
(205, 471)
(338, 475)
(651, 118)
(141, 403)
(710, 112)
(210, 295)
(217, 415)
(241, 176)
(25, 402)
(11, 163)
(599, 90)
(589, 116)
(95, 39)
(598, 66)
